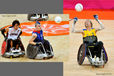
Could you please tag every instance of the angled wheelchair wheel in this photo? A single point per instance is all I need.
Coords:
(51, 52)
(4, 47)
(22, 46)
(32, 51)
(105, 56)
(81, 54)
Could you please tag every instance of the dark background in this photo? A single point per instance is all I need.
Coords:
(31, 6)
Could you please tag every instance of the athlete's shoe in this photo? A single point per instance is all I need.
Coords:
(97, 59)
(17, 50)
(11, 49)
(93, 60)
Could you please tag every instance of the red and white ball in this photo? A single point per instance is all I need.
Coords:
(79, 7)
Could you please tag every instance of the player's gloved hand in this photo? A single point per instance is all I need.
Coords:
(75, 19)
(38, 43)
(95, 16)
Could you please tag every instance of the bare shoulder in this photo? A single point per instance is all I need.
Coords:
(34, 35)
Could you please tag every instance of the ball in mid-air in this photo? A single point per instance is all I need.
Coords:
(58, 19)
(79, 7)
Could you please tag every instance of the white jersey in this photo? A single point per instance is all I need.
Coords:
(13, 34)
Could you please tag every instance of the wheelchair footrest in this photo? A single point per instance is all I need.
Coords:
(13, 54)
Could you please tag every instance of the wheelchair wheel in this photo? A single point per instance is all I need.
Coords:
(51, 52)
(105, 57)
(32, 51)
(81, 54)
(4, 47)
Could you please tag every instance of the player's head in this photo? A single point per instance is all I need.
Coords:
(38, 25)
(88, 23)
(15, 24)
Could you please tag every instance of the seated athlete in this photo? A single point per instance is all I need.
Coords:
(13, 36)
(37, 37)
(89, 36)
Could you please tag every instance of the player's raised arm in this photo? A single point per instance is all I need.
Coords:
(73, 26)
(101, 25)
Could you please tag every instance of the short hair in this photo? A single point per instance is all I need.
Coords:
(37, 23)
(15, 22)
(90, 23)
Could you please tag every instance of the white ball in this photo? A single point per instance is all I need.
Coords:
(79, 7)
(58, 19)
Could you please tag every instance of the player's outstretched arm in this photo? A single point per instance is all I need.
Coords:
(101, 25)
(73, 26)
(32, 39)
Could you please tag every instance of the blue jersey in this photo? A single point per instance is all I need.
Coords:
(39, 37)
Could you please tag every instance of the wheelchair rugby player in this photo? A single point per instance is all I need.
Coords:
(38, 47)
(91, 47)
(12, 45)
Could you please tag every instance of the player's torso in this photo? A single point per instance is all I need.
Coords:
(39, 37)
(89, 36)
(13, 34)
(89, 33)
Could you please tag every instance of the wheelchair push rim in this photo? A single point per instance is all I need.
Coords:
(81, 54)
(105, 56)
(3, 49)
(51, 52)
(32, 51)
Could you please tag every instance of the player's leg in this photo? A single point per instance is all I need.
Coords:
(99, 46)
(10, 41)
(91, 49)
(46, 44)
(17, 44)
(41, 47)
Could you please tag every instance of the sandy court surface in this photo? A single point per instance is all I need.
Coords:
(60, 44)
(107, 36)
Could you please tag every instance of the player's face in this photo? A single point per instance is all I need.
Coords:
(16, 26)
(87, 24)
(38, 27)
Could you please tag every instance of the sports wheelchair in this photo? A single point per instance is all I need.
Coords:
(35, 52)
(6, 52)
(85, 51)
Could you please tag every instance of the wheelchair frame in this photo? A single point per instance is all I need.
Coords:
(83, 52)
(45, 50)
(39, 52)
(10, 54)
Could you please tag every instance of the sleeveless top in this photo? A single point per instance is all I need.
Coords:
(39, 37)
(13, 34)
(89, 36)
